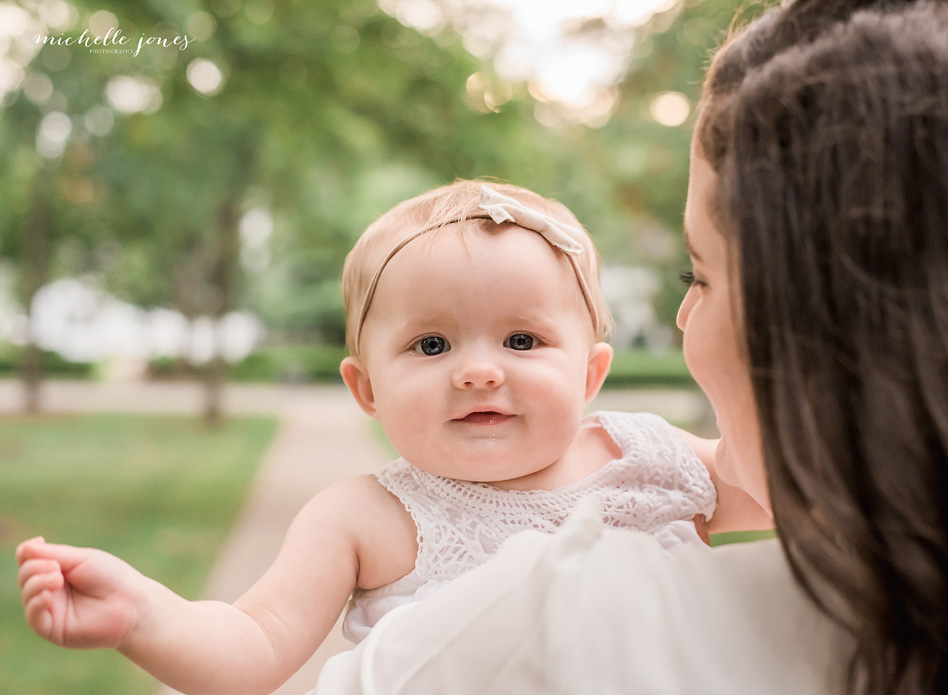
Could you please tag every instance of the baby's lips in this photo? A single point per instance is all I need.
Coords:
(485, 417)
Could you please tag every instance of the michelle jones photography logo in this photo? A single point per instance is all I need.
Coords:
(114, 40)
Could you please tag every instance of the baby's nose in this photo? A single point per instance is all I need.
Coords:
(476, 372)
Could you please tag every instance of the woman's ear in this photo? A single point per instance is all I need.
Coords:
(597, 368)
(356, 377)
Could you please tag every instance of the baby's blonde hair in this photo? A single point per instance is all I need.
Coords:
(451, 204)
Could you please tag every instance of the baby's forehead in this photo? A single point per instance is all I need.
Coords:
(512, 270)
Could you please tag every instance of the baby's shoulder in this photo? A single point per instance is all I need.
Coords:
(383, 531)
(629, 431)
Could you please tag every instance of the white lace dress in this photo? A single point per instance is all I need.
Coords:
(658, 486)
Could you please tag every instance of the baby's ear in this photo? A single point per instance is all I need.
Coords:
(597, 368)
(356, 376)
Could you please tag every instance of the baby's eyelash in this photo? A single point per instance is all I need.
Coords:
(687, 277)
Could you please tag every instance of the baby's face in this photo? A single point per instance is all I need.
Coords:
(477, 351)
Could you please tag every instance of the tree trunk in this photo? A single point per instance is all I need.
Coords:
(188, 278)
(224, 268)
(35, 274)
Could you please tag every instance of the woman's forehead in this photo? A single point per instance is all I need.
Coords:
(700, 232)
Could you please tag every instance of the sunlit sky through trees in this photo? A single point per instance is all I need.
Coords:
(571, 54)
(568, 52)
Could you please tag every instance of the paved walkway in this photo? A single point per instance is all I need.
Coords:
(323, 437)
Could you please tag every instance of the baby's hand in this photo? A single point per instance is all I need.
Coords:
(701, 526)
(77, 597)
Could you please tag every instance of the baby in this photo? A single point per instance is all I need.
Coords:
(476, 331)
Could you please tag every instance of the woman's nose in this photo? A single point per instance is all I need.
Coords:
(477, 371)
(684, 310)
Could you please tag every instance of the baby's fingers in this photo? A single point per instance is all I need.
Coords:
(38, 576)
(39, 595)
(67, 556)
(36, 568)
(29, 548)
(39, 614)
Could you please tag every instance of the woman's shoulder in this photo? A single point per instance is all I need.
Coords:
(726, 620)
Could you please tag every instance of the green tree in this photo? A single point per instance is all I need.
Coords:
(326, 114)
(647, 161)
(48, 193)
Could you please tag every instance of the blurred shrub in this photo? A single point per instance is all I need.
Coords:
(319, 363)
(169, 368)
(633, 368)
(53, 365)
(296, 364)
(291, 364)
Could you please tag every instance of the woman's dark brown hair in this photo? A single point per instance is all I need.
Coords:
(827, 123)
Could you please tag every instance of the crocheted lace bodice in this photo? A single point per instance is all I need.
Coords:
(658, 485)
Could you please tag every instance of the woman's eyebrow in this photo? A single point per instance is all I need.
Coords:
(689, 247)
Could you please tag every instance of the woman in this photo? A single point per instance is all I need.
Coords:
(817, 323)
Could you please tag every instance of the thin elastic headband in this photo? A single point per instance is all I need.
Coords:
(500, 209)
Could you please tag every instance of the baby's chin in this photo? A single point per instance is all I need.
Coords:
(483, 463)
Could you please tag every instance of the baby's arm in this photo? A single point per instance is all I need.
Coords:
(86, 598)
(736, 510)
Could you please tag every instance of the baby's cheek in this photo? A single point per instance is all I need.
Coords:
(557, 417)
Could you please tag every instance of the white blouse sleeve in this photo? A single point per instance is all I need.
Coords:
(595, 610)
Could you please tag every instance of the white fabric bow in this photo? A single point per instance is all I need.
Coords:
(503, 209)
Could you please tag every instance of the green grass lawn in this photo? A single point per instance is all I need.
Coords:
(159, 492)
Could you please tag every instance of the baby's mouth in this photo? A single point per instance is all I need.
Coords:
(484, 417)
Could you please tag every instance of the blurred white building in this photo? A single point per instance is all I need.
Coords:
(77, 319)
(630, 291)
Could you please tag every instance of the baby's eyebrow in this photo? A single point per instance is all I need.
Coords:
(533, 319)
(530, 317)
(411, 318)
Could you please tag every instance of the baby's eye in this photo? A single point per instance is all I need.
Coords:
(520, 341)
(431, 345)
